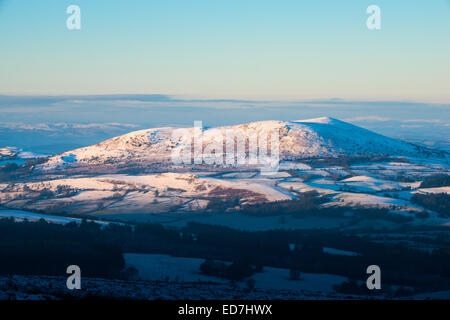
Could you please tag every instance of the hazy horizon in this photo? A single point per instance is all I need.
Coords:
(50, 124)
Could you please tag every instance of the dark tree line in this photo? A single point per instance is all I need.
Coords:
(45, 248)
(436, 181)
(41, 248)
(439, 202)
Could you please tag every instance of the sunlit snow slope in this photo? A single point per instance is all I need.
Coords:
(312, 138)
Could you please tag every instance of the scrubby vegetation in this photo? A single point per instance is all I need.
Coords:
(346, 161)
(352, 286)
(11, 171)
(439, 202)
(234, 271)
(306, 202)
(294, 274)
(7, 171)
(436, 181)
(308, 205)
(42, 248)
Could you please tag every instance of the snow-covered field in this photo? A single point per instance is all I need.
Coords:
(350, 199)
(14, 153)
(138, 194)
(137, 197)
(165, 267)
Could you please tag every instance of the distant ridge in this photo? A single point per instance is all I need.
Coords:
(300, 139)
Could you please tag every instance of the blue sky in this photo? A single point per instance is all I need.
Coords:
(254, 49)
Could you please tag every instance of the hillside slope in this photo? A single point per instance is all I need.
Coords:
(302, 139)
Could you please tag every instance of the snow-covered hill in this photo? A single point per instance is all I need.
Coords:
(312, 138)
(9, 153)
